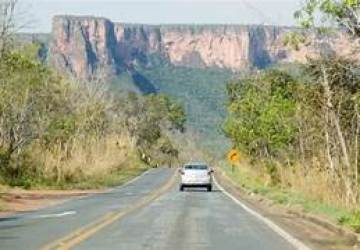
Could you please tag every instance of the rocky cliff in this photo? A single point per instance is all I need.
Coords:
(83, 45)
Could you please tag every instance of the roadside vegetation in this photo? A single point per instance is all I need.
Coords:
(61, 132)
(300, 125)
(252, 178)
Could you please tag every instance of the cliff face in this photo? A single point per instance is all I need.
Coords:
(82, 45)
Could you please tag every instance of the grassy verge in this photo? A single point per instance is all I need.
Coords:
(109, 178)
(127, 170)
(102, 173)
(340, 215)
(16, 198)
(116, 178)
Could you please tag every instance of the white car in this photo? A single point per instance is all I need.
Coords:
(196, 175)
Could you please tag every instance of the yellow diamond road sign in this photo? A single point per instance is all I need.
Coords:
(234, 156)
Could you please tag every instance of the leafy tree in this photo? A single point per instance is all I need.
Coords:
(342, 13)
(21, 87)
(261, 112)
(147, 119)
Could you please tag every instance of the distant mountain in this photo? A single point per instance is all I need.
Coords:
(82, 45)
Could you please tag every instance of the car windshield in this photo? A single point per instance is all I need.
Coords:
(196, 167)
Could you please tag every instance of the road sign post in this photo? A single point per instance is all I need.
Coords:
(234, 158)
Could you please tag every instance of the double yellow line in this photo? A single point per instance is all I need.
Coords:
(83, 233)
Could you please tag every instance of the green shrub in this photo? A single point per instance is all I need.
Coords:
(352, 220)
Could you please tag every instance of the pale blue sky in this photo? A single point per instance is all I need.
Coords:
(280, 12)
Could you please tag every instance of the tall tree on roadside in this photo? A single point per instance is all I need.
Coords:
(340, 82)
(8, 25)
(320, 14)
(336, 76)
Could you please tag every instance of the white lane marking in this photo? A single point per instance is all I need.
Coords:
(43, 216)
(295, 242)
(87, 196)
(132, 180)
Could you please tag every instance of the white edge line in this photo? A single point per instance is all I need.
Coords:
(295, 242)
(135, 178)
(109, 190)
(44, 216)
(85, 196)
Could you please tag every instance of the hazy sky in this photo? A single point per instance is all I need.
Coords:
(40, 12)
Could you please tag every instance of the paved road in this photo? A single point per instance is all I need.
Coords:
(175, 220)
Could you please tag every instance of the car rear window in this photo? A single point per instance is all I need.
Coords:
(196, 167)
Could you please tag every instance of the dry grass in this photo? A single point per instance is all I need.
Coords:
(87, 161)
(313, 182)
(307, 188)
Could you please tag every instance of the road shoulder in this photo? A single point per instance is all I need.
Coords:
(314, 232)
(16, 200)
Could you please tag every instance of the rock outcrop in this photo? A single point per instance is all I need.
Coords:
(83, 45)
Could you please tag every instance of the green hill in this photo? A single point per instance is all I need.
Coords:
(201, 91)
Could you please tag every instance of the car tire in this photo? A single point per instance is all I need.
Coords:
(209, 188)
(181, 188)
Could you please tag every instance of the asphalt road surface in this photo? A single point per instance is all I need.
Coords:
(149, 213)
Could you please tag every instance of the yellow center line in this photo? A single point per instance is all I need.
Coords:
(85, 232)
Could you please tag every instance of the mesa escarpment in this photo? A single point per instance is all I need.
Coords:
(83, 45)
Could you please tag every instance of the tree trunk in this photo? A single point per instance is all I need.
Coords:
(327, 107)
(356, 170)
(345, 156)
